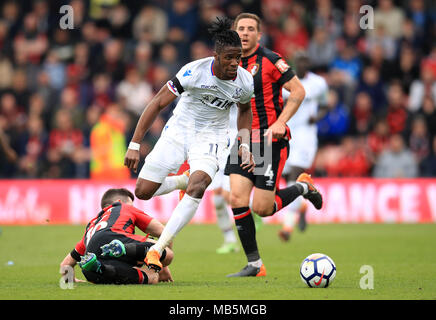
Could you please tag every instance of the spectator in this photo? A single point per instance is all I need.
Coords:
(363, 115)
(134, 93)
(65, 143)
(143, 60)
(373, 86)
(408, 68)
(11, 15)
(150, 25)
(321, 50)
(428, 164)
(8, 156)
(55, 70)
(378, 138)
(335, 123)
(329, 18)
(397, 161)
(419, 139)
(102, 90)
(168, 57)
(397, 114)
(428, 111)
(20, 90)
(119, 19)
(424, 86)
(108, 145)
(35, 146)
(62, 45)
(390, 17)
(30, 40)
(345, 72)
(294, 37)
(352, 162)
(182, 24)
(112, 63)
(42, 14)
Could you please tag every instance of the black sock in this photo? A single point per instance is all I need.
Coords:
(136, 251)
(287, 195)
(247, 232)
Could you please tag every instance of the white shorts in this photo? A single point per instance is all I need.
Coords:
(175, 146)
(221, 180)
(302, 152)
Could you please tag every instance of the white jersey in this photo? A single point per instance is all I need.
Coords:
(316, 94)
(304, 142)
(206, 100)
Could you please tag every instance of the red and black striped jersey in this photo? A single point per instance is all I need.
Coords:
(270, 71)
(120, 218)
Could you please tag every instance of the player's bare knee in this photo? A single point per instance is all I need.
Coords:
(196, 189)
(141, 194)
(263, 211)
(238, 201)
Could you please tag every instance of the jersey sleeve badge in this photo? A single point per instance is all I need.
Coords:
(282, 66)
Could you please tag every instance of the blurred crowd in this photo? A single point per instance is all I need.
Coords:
(70, 98)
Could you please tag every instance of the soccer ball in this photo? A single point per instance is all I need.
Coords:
(318, 270)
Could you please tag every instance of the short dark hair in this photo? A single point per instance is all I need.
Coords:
(111, 195)
(246, 15)
(223, 35)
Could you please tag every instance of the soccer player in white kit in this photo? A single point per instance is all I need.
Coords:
(304, 142)
(197, 131)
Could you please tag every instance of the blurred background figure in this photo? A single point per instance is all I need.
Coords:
(108, 145)
(397, 161)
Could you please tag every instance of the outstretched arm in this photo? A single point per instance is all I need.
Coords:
(163, 98)
(69, 261)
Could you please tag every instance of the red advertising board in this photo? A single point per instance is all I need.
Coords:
(345, 201)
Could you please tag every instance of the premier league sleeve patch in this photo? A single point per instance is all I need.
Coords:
(175, 87)
(282, 66)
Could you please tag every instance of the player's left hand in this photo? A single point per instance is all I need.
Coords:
(276, 131)
(165, 275)
(247, 159)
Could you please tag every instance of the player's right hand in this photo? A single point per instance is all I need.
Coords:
(131, 159)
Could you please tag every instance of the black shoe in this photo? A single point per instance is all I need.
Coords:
(249, 271)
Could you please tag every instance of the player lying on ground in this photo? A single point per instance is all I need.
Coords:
(110, 252)
(196, 132)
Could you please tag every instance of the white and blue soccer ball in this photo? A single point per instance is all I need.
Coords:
(318, 270)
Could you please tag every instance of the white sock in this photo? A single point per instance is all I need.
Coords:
(223, 219)
(289, 219)
(291, 215)
(305, 187)
(179, 182)
(180, 217)
(256, 264)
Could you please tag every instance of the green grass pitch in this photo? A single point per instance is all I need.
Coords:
(403, 258)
